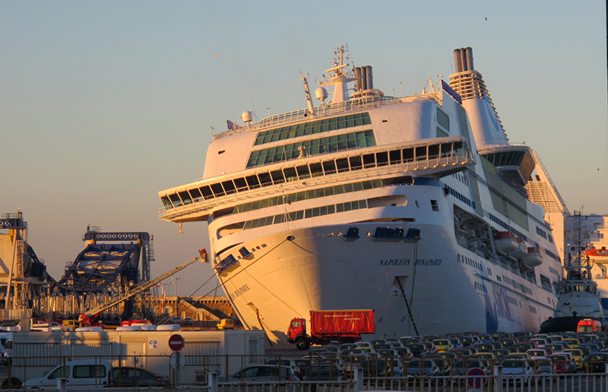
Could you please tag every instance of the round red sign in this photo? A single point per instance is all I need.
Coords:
(176, 342)
(479, 381)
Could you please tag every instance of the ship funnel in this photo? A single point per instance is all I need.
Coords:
(358, 79)
(369, 81)
(469, 57)
(458, 60)
(463, 60)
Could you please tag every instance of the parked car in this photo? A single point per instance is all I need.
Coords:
(462, 366)
(87, 373)
(596, 363)
(284, 362)
(562, 363)
(543, 366)
(517, 372)
(303, 365)
(418, 349)
(225, 323)
(422, 367)
(262, 373)
(137, 377)
(176, 320)
(383, 367)
(69, 325)
(325, 372)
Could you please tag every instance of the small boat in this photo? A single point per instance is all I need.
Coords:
(505, 241)
(522, 249)
(600, 255)
(534, 258)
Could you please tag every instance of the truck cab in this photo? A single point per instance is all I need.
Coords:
(296, 333)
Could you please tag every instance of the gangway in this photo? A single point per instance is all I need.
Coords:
(91, 315)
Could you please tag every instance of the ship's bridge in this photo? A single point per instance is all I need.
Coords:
(514, 161)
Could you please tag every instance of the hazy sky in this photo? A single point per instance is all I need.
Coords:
(105, 103)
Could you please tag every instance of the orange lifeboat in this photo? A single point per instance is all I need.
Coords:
(601, 254)
(522, 249)
(505, 242)
(534, 258)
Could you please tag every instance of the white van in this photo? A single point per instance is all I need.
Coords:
(87, 373)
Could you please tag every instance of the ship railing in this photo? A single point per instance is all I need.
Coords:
(324, 110)
(424, 164)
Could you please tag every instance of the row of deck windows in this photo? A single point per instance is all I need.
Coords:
(323, 145)
(305, 214)
(305, 195)
(313, 127)
(301, 172)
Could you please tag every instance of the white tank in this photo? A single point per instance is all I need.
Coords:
(247, 116)
(321, 94)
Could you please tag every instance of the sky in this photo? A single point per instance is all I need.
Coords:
(105, 103)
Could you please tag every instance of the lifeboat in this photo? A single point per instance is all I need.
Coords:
(597, 254)
(505, 242)
(522, 249)
(534, 258)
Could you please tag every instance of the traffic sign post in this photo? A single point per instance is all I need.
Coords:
(176, 343)
(476, 378)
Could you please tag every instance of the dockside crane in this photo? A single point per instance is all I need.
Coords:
(92, 315)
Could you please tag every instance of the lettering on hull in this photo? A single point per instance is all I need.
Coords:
(428, 262)
(241, 290)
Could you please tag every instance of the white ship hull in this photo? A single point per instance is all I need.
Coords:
(287, 278)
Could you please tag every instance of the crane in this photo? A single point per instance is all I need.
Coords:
(91, 315)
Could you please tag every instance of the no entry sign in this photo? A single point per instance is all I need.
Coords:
(176, 342)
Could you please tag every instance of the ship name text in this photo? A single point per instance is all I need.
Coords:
(428, 262)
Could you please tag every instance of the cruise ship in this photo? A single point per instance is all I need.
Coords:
(417, 207)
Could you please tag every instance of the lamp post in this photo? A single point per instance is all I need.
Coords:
(176, 296)
(162, 302)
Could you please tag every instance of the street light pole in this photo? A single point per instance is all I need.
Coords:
(176, 297)
(162, 298)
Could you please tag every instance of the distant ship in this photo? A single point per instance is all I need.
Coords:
(417, 207)
(578, 298)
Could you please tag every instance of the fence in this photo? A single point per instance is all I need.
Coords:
(351, 376)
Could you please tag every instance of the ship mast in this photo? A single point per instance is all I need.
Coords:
(340, 78)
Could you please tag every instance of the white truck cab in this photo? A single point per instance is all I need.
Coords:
(87, 373)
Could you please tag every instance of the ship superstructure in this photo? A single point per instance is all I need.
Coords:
(415, 207)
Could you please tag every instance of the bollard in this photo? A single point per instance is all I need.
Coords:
(62, 384)
(213, 382)
(358, 379)
(498, 381)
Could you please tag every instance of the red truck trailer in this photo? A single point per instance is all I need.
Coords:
(344, 326)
